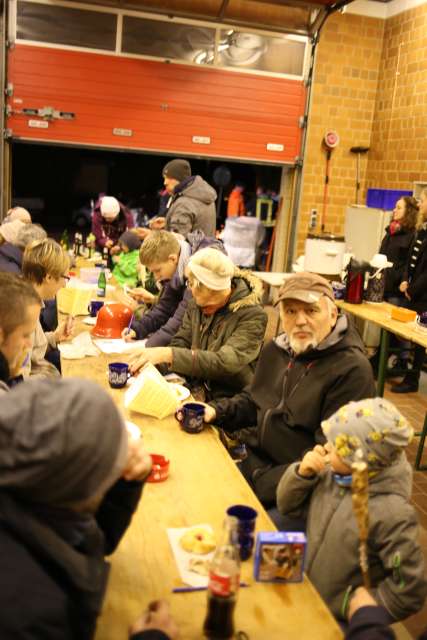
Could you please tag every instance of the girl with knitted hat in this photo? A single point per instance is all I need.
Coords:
(319, 487)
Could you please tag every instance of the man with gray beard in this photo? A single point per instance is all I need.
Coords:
(302, 377)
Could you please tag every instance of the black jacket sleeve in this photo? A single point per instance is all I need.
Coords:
(235, 413)
(116, 510)
(150, 634)
(370, 622)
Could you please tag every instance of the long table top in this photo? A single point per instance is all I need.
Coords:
(379, 313)
(204, 481)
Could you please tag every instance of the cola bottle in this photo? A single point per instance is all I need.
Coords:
(224, 580)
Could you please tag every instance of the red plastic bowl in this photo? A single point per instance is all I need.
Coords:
(160, 470)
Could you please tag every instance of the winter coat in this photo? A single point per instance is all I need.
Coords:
(164, 319)
(417, 275)
(221, 350)
(126, 269)
(368, 623)
(103, 230)
(236, 204)
(396, 247)
(394, 555)
(53, 575)
(289, 397)
(10, 258)
(192, 208)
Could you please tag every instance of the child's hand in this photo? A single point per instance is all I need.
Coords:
(313, 462)
(361, 598)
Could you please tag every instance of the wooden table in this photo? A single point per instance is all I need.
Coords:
(203, 483)
(379, 314)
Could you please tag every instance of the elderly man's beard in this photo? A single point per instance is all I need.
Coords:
(300, 345)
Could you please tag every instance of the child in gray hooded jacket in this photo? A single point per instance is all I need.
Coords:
(319, 487)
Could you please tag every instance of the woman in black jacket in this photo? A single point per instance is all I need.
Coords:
(395, 245)
(70, 481)
(414, 288)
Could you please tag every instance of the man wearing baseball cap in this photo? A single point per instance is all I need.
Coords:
(191, 204)
(302, 377)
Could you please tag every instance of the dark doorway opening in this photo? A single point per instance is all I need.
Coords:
(57, 183)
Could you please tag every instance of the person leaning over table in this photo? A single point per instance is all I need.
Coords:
(302, 377)
(414, 288)
(191, 206)
(20, 306)
(109, 220)
(221, 334)
(166, 254)
(70, 481)
(45, 266)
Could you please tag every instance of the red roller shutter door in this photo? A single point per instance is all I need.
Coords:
(164, 105)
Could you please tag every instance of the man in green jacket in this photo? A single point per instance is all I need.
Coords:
(218, 343)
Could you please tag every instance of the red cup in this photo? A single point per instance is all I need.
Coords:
(160, 469)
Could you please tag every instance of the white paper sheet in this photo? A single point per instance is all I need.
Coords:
(117, 345)
(182, 558)
(79, 347)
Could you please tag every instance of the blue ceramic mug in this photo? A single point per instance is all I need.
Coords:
(190, 416)
(118, 374)
(246, 517)
(94, 306)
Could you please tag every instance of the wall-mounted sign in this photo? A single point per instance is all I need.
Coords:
(38, 124)
(272, 146)
(201, 140)
(127, 133)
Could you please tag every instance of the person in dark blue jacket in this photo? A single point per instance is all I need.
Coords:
(166, 254)
(11, 252)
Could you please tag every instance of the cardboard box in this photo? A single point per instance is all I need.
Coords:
(279, 556)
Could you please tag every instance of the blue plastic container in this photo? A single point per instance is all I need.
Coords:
(385, 198)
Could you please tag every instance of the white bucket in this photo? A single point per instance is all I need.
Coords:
(324, 254)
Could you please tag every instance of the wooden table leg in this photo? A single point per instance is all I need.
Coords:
(422, 435)
(382, 366)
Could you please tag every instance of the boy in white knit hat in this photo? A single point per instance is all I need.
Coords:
(319, 486)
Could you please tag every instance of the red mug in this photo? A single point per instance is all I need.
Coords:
(160, 468)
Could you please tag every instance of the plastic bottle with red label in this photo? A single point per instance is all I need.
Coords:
(224, 581)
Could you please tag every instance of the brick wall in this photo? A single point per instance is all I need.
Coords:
(343, 99)
(399, 153)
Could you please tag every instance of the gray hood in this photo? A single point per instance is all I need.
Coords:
(61, 441)
(395, 479)
(199, 189)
